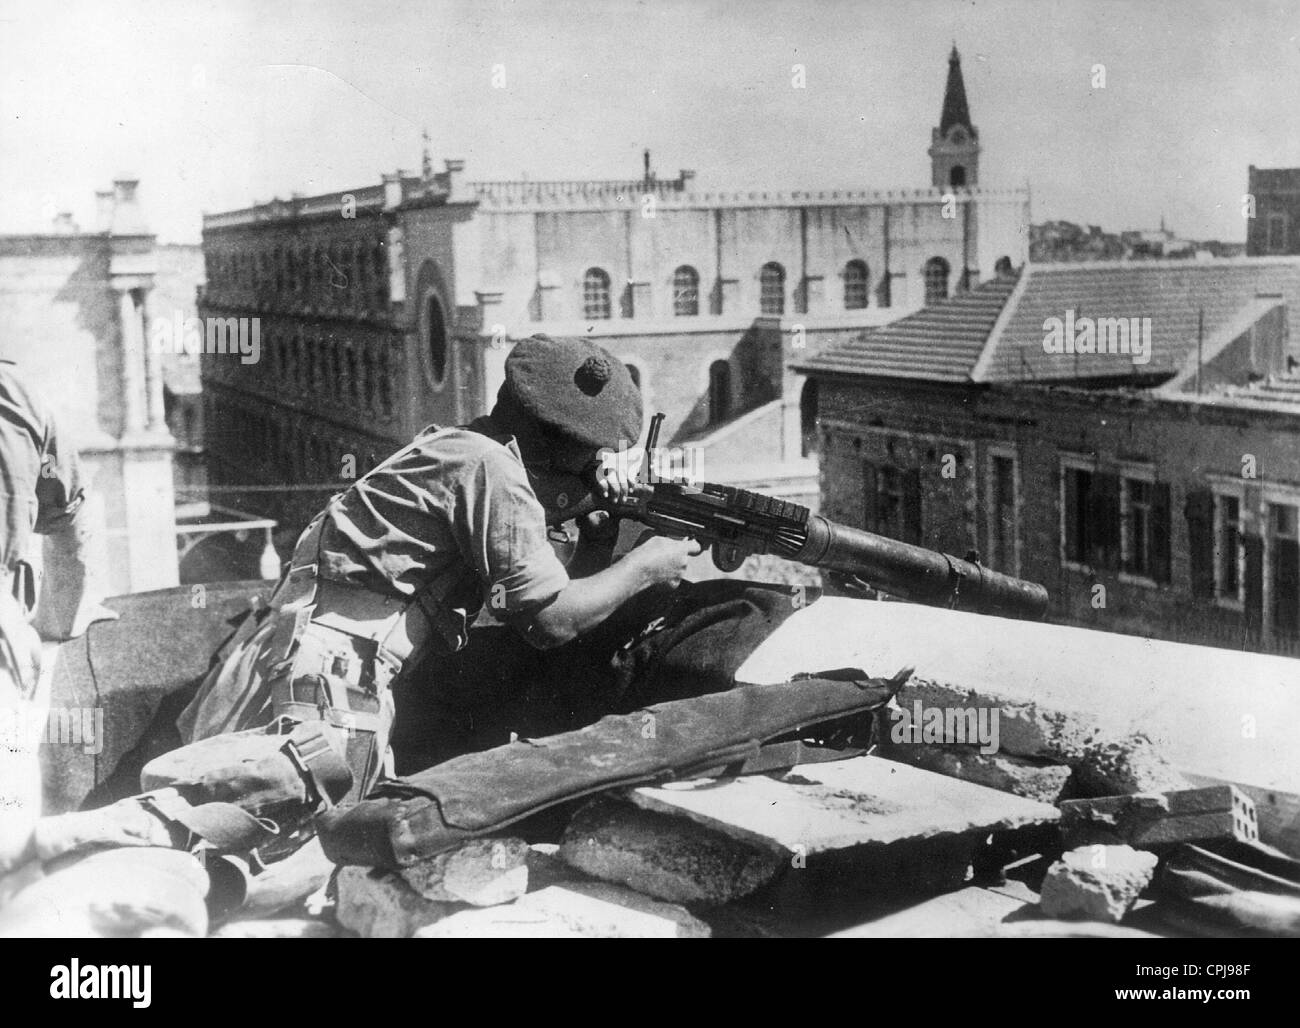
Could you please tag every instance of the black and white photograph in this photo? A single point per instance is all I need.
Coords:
(621, 469)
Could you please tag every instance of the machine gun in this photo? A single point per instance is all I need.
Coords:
(735, 523)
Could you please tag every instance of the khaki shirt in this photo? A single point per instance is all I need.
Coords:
(454, 505)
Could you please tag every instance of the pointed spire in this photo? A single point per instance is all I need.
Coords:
(426, 159)
(955, 109)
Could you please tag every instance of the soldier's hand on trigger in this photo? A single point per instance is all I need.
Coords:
(613, 482)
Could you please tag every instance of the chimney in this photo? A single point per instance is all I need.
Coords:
(128, 219)
(103, 210)
(64, 225)
(454, 183)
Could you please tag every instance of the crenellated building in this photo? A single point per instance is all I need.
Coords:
(385, 308)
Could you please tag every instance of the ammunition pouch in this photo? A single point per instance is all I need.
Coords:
(337, 648)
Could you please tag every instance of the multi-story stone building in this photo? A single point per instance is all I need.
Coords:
(1156, 495)
(74, 317)
(1275, 227)
(388, 307)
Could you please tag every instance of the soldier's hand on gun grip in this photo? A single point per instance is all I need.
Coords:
(665, 560)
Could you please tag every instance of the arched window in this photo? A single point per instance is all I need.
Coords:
(435, 335)
(936, 280)
(595, 295)
(771, 289)
(855, 285)
(808, 417)
(719, 391)
(957, 177)
(686, 292)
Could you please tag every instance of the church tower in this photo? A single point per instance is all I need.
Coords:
(954, 145)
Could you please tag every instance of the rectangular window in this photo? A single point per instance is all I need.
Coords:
(1144, 505)
(1277, 233)
(1090, 508)
(1137, 497)
(1227, 547)
(1004, 514)
(893, 502)
(1285, 569)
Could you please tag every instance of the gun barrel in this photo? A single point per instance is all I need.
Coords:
(916, 573)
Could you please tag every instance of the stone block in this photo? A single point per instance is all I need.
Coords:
(482, 873)
(1096, 883)
(1021, 776)
(669, 857)
(380, 905)
(601, 910)
(1217, 813)
(843, 804)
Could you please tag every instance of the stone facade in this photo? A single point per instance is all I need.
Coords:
(386, 308)
(1196, 541)
(74, 317)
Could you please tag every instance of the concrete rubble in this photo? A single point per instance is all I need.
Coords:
(482, 873)
(930, 836)
(1097, 883)
(663, 856)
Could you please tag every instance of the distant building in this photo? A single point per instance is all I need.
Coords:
(74, 316)
(1059, 241)
(384, 308)
(1275, 228)
(1157, 498)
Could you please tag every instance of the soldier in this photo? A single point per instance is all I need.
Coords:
(400, 564)
(40, 495)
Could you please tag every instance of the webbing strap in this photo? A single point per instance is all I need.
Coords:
(316, 760)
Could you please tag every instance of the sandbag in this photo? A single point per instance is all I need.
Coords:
(408, 819)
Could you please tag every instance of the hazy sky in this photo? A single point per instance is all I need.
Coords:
(215, 104)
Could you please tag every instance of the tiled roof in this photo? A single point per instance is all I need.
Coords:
(1171, 293)
(963, 339)
(939, 343)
